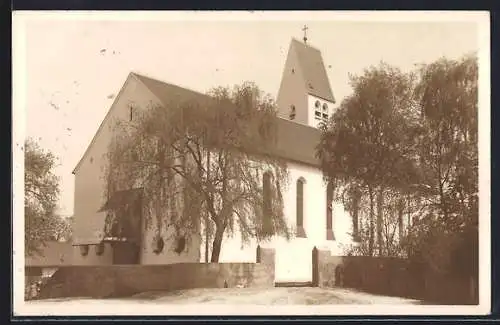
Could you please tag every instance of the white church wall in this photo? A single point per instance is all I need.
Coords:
(152, 227)
(293, 257)
(191, 254)
(90, 172)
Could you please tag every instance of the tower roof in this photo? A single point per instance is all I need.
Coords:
(313, 69)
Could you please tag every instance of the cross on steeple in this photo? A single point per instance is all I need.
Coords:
(304, 29)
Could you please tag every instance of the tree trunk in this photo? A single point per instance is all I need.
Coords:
(355, 217)
(400, 219)
(207, 234)
(217, 243)
(380, 218)
(206, 237)
(409, 213)
(372, 224)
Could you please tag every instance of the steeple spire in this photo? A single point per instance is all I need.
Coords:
(304, 29)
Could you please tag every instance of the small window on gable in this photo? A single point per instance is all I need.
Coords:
(317, 104)
(292, 112)
(325, 107)
(293, 70)
(131, 113)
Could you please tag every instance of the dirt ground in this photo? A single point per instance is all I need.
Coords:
(251, 296)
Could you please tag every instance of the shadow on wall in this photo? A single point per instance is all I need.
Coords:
(125, 280)
(393, 277)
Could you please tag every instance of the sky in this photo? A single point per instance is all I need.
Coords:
(73, 68)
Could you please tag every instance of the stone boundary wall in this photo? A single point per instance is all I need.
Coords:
(125, 280)
(392, 277)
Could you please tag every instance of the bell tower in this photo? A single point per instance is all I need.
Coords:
(305, 95)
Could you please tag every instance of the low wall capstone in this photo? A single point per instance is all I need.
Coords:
(392, 276)
(125, 280)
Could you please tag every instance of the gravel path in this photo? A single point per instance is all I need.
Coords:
(252, 296)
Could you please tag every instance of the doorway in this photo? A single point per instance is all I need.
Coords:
(126, 253)
(294, 263)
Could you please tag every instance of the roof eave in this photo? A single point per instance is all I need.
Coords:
(332, 99)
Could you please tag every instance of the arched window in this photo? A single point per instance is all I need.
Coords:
(317, 104)
(300, 207)
(267, 203)
(325, 112)
(329, 212)
(266, 185)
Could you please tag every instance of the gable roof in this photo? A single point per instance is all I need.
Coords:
(295, 142)
(313, 69)
(101, 126)
(169, 93)
(53, 254)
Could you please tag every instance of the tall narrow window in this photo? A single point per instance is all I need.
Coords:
(267, 203)
(300, 208)
(329, 212)
(131, 112)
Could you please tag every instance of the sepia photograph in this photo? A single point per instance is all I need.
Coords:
(251, 163)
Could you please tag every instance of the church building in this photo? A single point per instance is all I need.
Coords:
(304, 100)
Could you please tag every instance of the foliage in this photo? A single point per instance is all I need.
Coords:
(208, 154)
(366, 144)
(41, 190)
(62, 228)
(410, 140)
(448, 153)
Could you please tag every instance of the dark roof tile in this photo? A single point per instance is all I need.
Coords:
(313, 68)
(296, 142)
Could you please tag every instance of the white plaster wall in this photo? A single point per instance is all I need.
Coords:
(89, 174)
(191, 253)
(152, 227)
(311, 100)
(92, 258)
(294, 257)
(233, 250)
